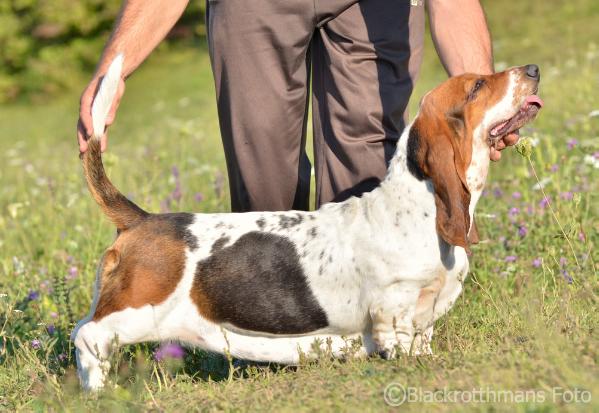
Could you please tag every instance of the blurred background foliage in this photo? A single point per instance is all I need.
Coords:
(44, 44)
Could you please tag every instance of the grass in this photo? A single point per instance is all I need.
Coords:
(527, 320)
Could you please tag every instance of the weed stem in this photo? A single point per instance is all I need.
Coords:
(552, 211)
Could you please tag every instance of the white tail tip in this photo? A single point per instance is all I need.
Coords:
(105, 96)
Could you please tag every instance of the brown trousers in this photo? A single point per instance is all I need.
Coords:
(363, 57)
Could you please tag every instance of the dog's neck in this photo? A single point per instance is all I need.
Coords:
(401, 198)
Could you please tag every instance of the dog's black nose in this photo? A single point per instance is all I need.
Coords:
(533, 71)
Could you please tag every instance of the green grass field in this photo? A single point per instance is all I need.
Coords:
(527, 320)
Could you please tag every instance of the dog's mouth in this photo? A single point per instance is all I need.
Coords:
(527, 112)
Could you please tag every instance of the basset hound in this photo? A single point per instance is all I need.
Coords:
(370, 273)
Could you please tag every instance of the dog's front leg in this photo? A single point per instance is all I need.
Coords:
(392, 318)
(422, 342)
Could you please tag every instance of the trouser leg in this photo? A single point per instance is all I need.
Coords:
(259, 53)
(365, 62)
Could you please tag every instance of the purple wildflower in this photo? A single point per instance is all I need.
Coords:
(522, 231)
(62, 357)
(198, 197)
(567, 276)
(54, 314)
(544, 202)
(572, 143)
(596, 155)
(51, 329)
(36, 344)
(177, 193)
(498, 193)
(563, 261)
(582, 237)
(511, 258)
(513, 212)
(516, 195)
(537, 262)
(554, 167)
(33, 295)
(169, 350)
(175, 172)
(566, 196)
(72, 273)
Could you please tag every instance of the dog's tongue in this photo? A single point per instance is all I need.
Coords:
(525, 113)
(533, 100)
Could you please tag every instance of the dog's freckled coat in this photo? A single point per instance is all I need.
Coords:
(379, 269)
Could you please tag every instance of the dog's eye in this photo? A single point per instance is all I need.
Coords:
(475, 89)
(477, 85)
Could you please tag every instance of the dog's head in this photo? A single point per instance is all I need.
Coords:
(451, 138)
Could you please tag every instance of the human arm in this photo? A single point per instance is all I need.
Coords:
(140, 27)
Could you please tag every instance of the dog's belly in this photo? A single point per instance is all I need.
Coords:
(219, 338)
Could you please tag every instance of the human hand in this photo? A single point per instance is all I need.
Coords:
(84, 125)
(508, 140)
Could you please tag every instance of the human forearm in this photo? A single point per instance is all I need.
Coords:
(461, 37)
(141, 25)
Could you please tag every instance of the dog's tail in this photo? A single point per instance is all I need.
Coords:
(121, 211)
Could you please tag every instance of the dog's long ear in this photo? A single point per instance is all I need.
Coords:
(473, 236)
(441, 155)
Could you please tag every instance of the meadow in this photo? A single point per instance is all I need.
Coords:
(526, 322)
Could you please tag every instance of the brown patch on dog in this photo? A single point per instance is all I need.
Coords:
(205, 305)
(430, 293)
(441, 141)
(143, 266)
(427, 298)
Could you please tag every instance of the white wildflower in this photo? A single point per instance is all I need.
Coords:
(591, 160)
(542, 183)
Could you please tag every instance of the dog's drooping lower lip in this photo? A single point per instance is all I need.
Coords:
(527, 112)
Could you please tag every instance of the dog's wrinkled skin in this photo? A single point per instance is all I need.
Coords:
(376, 270)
